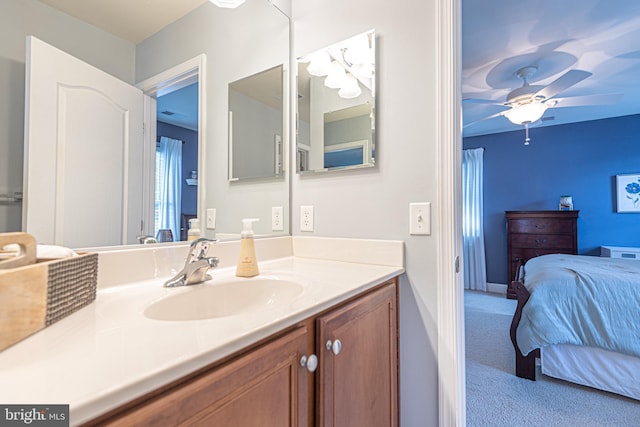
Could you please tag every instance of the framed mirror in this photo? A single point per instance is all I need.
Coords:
(256, 124)
(336, 106)
(233, 42)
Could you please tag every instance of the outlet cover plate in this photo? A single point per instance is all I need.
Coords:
(211, 218)
(306, 218)
(277, 220)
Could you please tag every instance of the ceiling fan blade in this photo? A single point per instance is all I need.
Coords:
(501, 113)
(577, 101)
(482, 101)
(563, 82)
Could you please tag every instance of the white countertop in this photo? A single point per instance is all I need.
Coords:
(108, 353)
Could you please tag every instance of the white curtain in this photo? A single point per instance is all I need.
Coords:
(475, 270)
(168, 186)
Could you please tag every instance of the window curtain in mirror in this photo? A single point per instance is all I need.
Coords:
(168, 186)
(475, 270)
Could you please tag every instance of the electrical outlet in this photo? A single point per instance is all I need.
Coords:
(306, 218)
(211, 218)
(277, 220)
(420, 218)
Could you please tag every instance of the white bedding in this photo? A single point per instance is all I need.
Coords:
(581, 300)
(593, 367)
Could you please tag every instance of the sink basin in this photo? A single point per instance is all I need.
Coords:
(222, 299)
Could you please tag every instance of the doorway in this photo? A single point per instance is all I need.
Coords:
(175, 108)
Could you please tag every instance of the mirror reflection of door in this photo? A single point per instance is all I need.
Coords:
(84, 152)
(176, 176)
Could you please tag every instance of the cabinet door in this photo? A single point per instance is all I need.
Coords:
(264, 387)
(358, 386)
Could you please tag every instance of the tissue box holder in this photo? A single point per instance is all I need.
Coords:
(37, 295)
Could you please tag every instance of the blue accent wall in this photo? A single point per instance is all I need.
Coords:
(578, 159)
(189, 162)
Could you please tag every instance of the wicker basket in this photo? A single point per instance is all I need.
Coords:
(37, 295)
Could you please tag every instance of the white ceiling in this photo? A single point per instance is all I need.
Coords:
(498, 38)
(132, 20)
(501, 36)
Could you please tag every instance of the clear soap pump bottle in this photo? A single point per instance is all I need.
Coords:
(247, 262)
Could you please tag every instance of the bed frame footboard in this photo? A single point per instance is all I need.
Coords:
(525, 365)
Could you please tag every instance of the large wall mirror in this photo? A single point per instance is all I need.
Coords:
(336, 106)
(226, 45)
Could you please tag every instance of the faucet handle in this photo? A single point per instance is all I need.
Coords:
(198, 249)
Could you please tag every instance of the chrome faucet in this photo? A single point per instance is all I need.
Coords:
(145, 240)
(196, 266)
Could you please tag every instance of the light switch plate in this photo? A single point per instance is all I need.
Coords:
(420, 218)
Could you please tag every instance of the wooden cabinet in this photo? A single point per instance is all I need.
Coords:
(356, 381)
(265, 384)
(358, 362)
(534, 233)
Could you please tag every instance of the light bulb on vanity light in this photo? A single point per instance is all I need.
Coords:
(227, 4)
(320, 64)
(335, 78)
(350, 89)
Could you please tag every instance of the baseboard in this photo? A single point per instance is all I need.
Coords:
(497, 288)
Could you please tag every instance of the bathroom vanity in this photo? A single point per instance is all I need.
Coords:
(354, 383)
(312, 340)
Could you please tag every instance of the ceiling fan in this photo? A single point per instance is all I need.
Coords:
(528, 103)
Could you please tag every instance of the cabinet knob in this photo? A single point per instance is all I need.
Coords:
(334, 346)
(311, 362)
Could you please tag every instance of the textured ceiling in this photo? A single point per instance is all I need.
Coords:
(501, 36)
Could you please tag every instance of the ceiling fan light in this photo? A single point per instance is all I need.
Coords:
(526, 113)
(228, 4)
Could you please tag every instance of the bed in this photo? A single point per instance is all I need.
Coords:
(581, 316)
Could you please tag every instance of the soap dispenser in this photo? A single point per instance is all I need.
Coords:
(247, 262)
(194, 229)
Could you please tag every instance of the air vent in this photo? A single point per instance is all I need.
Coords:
(545, 119)
(167, 113)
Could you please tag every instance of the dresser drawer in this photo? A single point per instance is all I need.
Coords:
(549, 241)
(541, 225)
(527, 254)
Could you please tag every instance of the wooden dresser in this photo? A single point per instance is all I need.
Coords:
(534, 233)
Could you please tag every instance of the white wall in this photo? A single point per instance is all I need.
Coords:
(18, 19)
(238, 43)
(374, 203)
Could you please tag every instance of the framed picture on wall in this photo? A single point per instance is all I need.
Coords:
(628, 189)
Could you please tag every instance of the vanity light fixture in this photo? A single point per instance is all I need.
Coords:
(320, 64)
(350, 88)
(336, 77)
(228, 4)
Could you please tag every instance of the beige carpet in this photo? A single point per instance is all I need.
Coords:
(496, 397)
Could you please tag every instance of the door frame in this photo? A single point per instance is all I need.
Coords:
(175, 78)
(450, 299)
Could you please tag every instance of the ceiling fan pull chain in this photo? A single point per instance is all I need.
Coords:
(526, 134)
